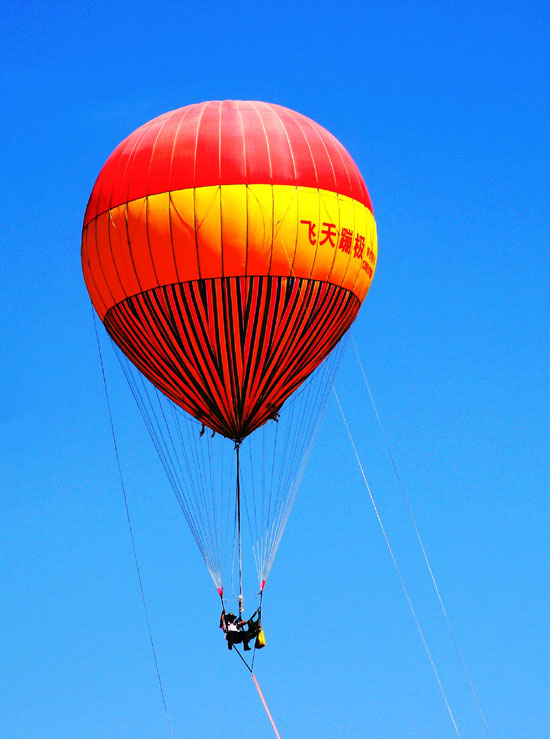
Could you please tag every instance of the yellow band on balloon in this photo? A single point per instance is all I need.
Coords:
(228, 231)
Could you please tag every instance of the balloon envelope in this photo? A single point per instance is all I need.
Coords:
(227, 247)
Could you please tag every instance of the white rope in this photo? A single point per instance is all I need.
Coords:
(405, 591)
(419, 538)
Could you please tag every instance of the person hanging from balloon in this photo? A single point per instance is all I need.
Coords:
(235, 632)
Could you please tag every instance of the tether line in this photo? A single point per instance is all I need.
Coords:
(131, 529)
(264, 702)
(265, 705)
(419, 538)
(396, 566)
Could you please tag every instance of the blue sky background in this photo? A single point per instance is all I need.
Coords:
(444, 107)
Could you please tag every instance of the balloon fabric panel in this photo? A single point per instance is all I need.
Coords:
(230, 351)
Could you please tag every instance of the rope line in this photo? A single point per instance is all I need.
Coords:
(131, 530)
(419, 538)
(265, 704)
(396, 566)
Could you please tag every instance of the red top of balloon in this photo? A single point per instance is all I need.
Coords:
(223, 143)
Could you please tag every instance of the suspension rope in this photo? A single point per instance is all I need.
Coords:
(130, 529)
(419, 538)
(265, 705)
(396, 566)
(241, 605)
(259, 612)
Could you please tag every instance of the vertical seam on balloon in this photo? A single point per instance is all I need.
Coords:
(172, 234)
(270, 177)
(228, 315)
(288, 141)
(366, 212)
(194, 187)
(220, 144)
(315, 128)
(245, 178)
(297, 122)
(171, 204)
(147, 190)
(215, 340)
(272, 228)
(201, 113)
(186, 112)
(343, 160)
(109, 291)
(219, 180)
(337, 196)
(92, 275)
(220, 191)
(266, 311)
(218, 318)
(128, 241)
(244, 144)
(115, 267)
(250, 297)
(266, 139)
(129, 164)
(352, 248)
(317, 245)
(256, 301)
(246, 212)
(297, 227)
(291, 263)
(148, 240)
(237, 302)
(195, 231)
(128, 237)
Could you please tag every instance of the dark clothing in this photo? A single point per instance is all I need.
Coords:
(237, 637)
(233, 629)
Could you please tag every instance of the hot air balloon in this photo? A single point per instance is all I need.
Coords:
(227, 247)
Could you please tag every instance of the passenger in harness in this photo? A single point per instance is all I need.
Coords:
(235, 633)
(233, 628)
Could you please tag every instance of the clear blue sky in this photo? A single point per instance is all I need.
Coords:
(444, 107)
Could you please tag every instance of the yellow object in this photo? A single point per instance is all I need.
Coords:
(260, 640)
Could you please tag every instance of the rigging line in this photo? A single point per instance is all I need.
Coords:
(245, 663)
(316, 398)
(265, 705)
(396, 566)
(239, 530)
(158, 440)
(131, 529)
(419, 538)
(259, 612)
